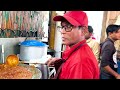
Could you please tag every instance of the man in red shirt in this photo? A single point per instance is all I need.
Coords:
(78, 59)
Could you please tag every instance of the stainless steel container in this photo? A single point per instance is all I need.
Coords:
(47, 72)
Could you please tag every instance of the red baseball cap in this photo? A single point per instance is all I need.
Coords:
(76, 18)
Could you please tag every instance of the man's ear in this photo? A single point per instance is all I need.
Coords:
(110, 33)
(85, 29)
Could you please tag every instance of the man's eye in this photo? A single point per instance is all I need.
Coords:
(69, 26)
(63, 27)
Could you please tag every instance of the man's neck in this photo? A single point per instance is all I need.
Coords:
(112, 39)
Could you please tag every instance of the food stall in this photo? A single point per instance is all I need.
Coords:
(19, 27)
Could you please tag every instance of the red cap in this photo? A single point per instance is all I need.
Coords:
(76, 18)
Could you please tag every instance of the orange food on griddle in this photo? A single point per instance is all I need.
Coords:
(16, 72)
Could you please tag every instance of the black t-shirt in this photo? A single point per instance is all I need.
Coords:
(107, 51)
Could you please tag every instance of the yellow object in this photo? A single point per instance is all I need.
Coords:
(12, 60)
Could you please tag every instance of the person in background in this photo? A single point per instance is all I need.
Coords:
(118, 61)
(78, 59)
(94, 45)
(93, 37)
(118, 55)
(108, 66)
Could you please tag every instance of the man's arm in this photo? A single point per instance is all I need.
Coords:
(111, 71)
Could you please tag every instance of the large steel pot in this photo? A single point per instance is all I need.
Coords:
(32, 50)
(47, 72)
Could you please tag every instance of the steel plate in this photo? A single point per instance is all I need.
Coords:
(37, 74)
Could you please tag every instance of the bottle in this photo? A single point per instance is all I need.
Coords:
(2, 54)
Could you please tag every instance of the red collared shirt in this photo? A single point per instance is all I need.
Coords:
(82, 64)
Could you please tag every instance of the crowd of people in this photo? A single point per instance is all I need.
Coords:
(80, 59)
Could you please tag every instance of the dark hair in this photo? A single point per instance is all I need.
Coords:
(90, 29)
(112, 28)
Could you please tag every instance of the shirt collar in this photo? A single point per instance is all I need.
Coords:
(88, 40)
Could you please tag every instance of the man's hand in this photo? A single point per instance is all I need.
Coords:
(51, 61)
(118, 76)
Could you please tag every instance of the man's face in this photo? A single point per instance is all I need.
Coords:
(116, 35)
(88, 35)
(70, 34)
